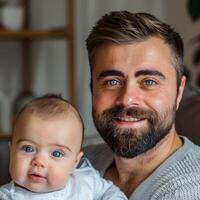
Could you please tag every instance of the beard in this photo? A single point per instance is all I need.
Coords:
(130, 142)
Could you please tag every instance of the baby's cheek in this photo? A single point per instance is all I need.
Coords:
(18, 173)
(58, 180)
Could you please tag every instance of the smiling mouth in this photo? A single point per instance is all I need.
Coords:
(129, 122)
(128, 119)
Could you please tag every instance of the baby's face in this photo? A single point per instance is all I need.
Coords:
(44, 152)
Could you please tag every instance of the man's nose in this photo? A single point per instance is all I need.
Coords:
(129, 95)
(38, 161)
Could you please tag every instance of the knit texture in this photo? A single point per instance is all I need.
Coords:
(180, 180)
(177, 178)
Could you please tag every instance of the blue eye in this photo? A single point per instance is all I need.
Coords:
(112, 83)
(150, 82)
(28, 149)
(57, 154)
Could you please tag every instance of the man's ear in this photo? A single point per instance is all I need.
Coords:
(180, 91)
(79, 156)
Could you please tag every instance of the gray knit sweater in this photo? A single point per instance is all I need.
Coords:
(178, 178)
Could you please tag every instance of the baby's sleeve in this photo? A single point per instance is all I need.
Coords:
(104, 189)
(108, 191)
(4, 194)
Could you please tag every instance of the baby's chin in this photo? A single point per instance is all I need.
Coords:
(39, 188)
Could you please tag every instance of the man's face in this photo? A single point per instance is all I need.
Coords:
(134, 95)
(44, 152)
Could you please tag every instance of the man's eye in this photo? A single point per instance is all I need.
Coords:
(28, 148)
(112, 82)
(149, 82)
(57, 154)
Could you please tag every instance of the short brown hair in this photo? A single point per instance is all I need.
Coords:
(123, 27)
(50, 105)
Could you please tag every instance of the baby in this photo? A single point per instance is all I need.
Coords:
(45, 151)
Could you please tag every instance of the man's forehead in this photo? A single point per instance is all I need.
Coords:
(152, 55)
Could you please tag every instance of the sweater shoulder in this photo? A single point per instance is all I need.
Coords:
(180, 180)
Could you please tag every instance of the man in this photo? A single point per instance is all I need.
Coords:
(137, 84)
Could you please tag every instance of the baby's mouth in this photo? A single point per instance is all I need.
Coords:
(35, 177)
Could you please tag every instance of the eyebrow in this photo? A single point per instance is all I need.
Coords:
(110, 73)
(24, 140)
(62, 146)
(144, 72)
(149, 72)
(58, 145)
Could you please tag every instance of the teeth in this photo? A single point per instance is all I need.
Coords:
(129, 119)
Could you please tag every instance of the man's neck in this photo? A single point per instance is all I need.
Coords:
(129, 173)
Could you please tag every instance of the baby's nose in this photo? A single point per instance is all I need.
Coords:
(38, 161)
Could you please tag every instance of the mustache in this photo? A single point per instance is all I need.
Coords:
(135, 112)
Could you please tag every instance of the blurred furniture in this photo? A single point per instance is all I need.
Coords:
(4, 160)
(27, 36)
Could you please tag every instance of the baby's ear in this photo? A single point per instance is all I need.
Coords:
(79, 156)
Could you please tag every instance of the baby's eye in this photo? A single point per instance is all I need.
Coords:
(57, 154)
(28, 148)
